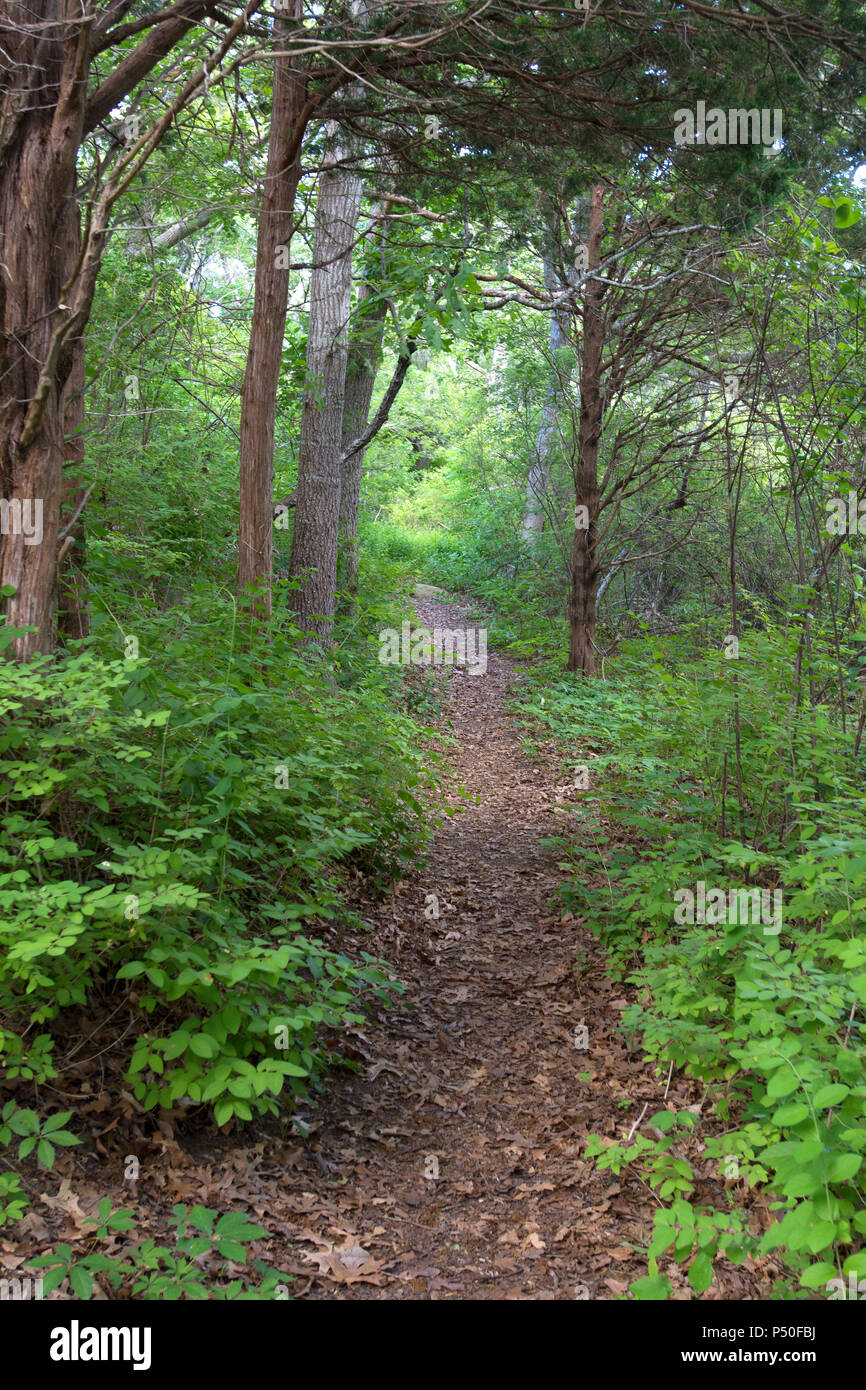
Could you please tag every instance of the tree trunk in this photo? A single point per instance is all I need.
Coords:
(47, 270)
(39, 241)
(365, 354)
(264, 356)
(314, 540)
(584, 560)
(539, 471)
(73, 616)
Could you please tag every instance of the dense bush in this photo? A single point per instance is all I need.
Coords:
(767, 1015)
(173, 826)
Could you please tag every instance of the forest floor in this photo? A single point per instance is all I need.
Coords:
(449, 1164)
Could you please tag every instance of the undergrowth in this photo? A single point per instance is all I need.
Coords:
(730, 893)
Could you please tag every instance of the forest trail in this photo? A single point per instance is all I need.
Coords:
(474, 1073)
(450, 1164)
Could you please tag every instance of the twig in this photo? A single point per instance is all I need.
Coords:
(76, 514)
(637, 1122)
(670, 1074)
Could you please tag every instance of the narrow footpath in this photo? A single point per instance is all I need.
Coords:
(450, 1165)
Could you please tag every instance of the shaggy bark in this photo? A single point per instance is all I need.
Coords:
(314, 540)
(539, 471)
(48, 268)
(73, 616)
(365, 354)
(584, 559)
(39, 244)
(264, 357)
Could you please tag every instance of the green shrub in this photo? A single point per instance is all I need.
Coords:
(770, 1022)
(173, 828)
(166, 1272)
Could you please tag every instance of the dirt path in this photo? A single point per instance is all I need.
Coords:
(450, 1166)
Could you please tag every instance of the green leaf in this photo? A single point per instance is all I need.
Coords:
(844, 1166)
(782, 1083)
(53, 1279)
(701, 1272)
(238, 1227)
(846, 214)
(202, 1218)
(821, 1235)
(176, 1045)
(80, 1282)
(805, 1184)
(652, 1287)
(123, 1220)
(24, 1122)
(223, 1111)
(816, 1275)
(830, 1095)
(56, 1121)
(663, 1120)
(791, 1114)
(232, 1251)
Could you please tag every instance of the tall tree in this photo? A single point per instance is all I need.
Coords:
(535, 514)
(72, 610)
(556, 258)
(317, 514)
(289, 113)
(66, 66)
(584, 561)
(365, 354)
